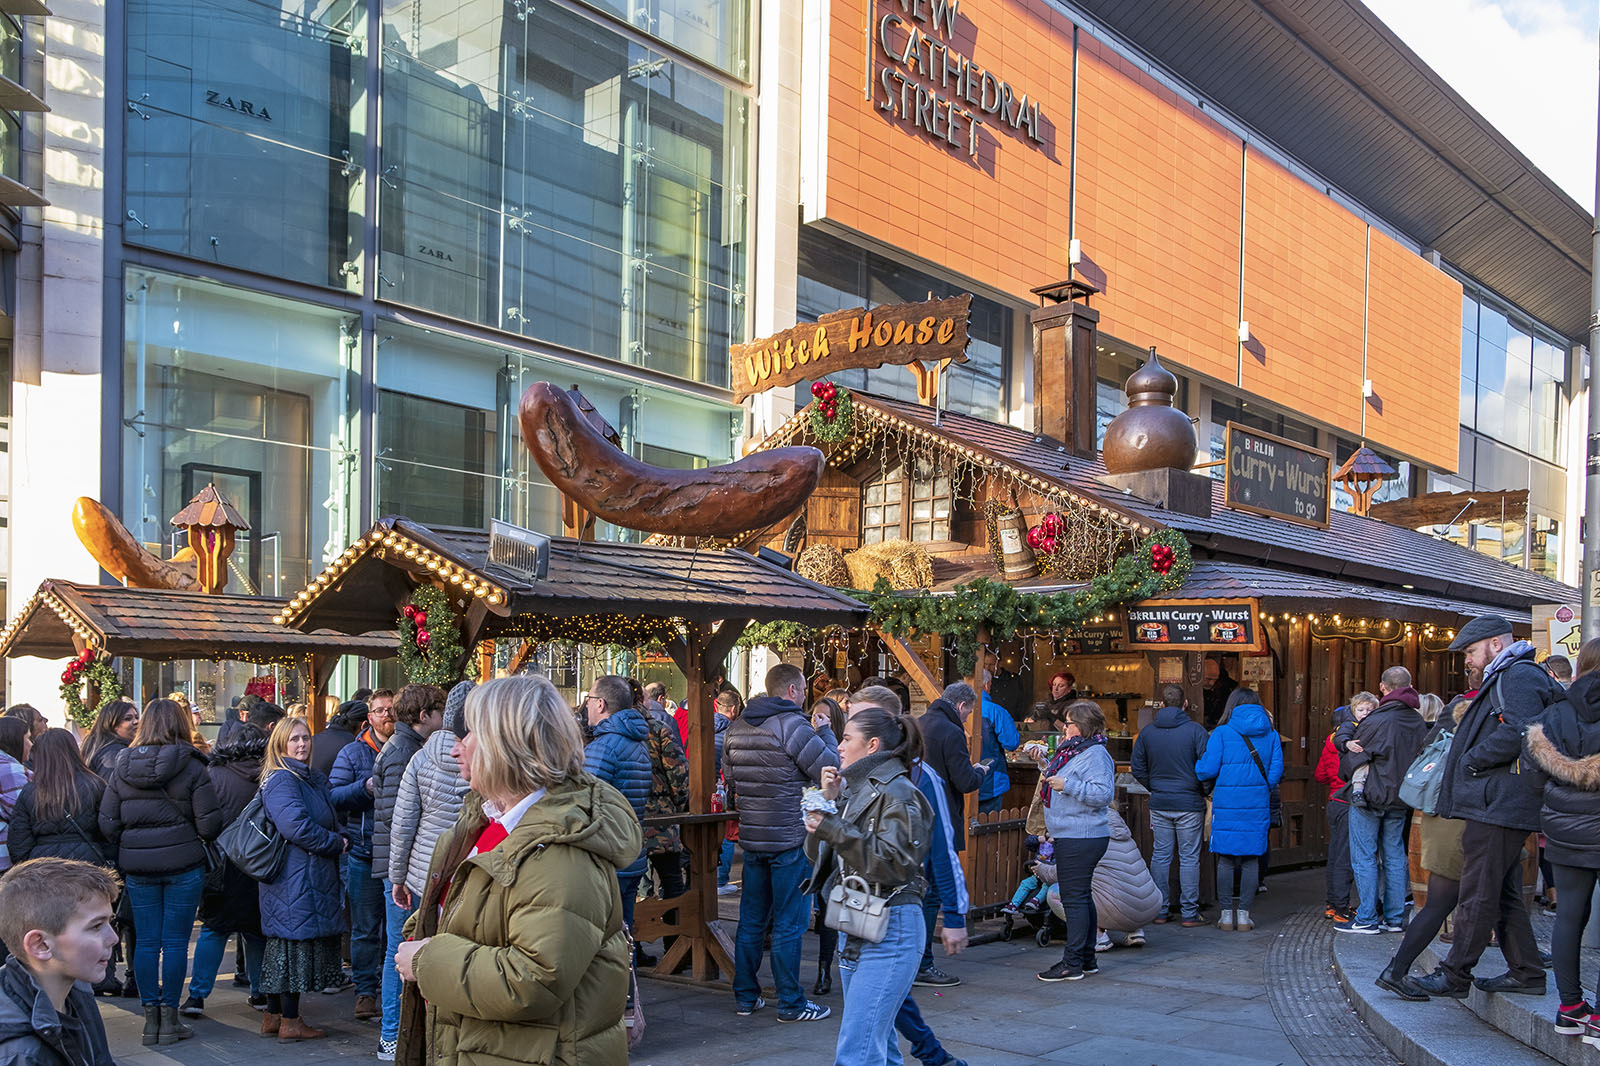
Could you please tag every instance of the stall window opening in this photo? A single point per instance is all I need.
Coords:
(911, 501)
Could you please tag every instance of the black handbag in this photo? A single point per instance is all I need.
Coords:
(253, 843)
(1275, 815)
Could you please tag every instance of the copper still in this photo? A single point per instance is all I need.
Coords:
(1017, 560)
(1151, 434)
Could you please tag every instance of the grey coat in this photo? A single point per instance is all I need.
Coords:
(425, 806)
(386, 773)
(769, 755)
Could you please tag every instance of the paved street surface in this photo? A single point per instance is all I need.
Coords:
(1193, 996)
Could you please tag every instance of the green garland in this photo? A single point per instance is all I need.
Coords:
(1160, 563)
(841, 426)
(779, 636)
(433, 661)
(97, 671)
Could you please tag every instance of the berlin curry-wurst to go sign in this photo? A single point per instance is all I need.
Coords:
(1277, 477)
(890, 334)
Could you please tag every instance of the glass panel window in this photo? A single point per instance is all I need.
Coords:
(256, 395)
(10, 146)
(10, 49)
(716, 31)
(907, 502)
(244, 135)
(549, 177)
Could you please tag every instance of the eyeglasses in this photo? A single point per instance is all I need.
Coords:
(594, 699)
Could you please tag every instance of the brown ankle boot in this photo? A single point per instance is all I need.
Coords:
(270, 1024)
(293, 1029)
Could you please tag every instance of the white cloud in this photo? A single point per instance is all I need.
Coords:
(1528, 66)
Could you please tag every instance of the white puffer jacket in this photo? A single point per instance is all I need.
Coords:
(1125, 895)
(431, 791)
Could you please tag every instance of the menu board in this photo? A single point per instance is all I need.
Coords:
(1195, 625)
(1272, 476)
(1102, 640)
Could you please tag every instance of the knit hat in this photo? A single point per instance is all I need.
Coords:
(455, 707)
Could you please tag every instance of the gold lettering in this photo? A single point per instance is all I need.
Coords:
(764, 358)
(905, 333)
(947, 330)
(925, 330)
(881, 333)
(819, 345)
(750, 373)
(861, 331)
(788, 354)
(801, 354)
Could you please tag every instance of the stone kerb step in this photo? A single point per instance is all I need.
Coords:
(1446, 1032)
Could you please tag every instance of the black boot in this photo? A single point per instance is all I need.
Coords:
(152, 1023)
(824, 983)
(172, 1028)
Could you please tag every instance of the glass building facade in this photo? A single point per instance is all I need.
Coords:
(357, 231)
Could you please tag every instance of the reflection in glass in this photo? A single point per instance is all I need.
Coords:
(241, 147)
(716, 31)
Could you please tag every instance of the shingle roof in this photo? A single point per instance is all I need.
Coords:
(166, 624)
(585, 579)
(1352, 548)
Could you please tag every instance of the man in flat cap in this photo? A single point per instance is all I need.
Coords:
(1487, 786)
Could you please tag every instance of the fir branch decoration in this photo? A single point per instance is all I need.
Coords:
(779, 636)
(96, 669)
(430, 638)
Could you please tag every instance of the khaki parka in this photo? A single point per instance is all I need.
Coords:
(528, 961)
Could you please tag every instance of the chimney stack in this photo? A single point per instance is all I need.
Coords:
(1065, 365)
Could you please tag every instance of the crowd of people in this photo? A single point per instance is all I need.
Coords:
(467, 863)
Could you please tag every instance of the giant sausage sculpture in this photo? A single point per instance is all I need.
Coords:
(717, 501)
(120, 552)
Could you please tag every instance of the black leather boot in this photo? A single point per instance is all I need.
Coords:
(824, 983)
(152, 1024)
(172, 1027)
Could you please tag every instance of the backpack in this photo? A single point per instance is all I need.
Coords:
(1425, 776)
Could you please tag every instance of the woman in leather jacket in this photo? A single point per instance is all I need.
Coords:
(881, 834)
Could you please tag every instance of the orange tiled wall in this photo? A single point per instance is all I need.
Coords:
(1160, 193)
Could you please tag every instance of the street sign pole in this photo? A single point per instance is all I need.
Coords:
(1591, 465)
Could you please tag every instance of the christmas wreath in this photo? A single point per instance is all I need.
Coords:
(833, 413)
(1160, 563)
(430, 639)
(96, 669)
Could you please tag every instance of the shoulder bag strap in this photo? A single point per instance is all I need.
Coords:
(1259, 764)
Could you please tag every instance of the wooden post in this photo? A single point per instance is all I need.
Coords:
(1413, 657)
(485, 660)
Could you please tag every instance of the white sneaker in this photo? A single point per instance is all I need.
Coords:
(1136, 939)
(1226, 921)
(728, 890)
(1242, 922)
(1102, 942)
(386, 1050)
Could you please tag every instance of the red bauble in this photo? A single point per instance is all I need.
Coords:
(423, 637)
(817, 388)
(1034, 537)
(66, 678)
(1050, 545)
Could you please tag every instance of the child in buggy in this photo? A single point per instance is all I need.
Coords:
(1030, 894)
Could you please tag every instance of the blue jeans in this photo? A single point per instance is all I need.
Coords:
(208, 951)
(725, 865)
(1378, 837)
(395, 925)
(772, 899)
(1180, 830)
(924, 1045)
(876, 985)
(366, 924)
(164, 907)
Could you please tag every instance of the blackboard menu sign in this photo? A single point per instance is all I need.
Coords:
(1195, 625)
(1100, 640)
(1272, 476)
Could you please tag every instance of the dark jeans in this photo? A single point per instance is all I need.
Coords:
(924, 1045)
(164, 907)
(668, 866)
(827, 939)
(1574, 893)
(1491, 902)
(628, 886)
(366, 924)
(1443, 893)
(930, 917)
(1340, 875)
(1243, 869)
(1075, 863)
(993, 803)
(771, 899)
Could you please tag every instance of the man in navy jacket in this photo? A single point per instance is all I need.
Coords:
(1164, 755)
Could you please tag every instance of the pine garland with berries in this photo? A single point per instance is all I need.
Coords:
(833, 414)
(430, 639)
(95, 669)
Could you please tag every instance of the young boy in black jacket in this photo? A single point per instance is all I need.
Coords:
(55, 915)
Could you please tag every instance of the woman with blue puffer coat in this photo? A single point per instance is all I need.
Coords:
(302, 909)
(619, 755)
(1245, 759)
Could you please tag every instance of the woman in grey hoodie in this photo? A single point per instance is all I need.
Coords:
(1076, 788)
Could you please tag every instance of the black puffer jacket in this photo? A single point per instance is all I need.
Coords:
(390, 766)
(105, 757)
(768, 756)
(1566, 746)
(1164, 757)
(234, 906)
(75, 836)
(158, 806)
(945, 749)
(1484, 778)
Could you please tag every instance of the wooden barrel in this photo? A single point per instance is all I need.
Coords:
(1015, 554)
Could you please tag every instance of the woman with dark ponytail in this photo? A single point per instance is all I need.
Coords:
(880, 832)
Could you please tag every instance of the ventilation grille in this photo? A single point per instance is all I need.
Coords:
(520, 551)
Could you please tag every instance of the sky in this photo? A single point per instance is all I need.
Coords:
(1531, 67)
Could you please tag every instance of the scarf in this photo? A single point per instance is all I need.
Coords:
(1060, 759)
(1506, 657)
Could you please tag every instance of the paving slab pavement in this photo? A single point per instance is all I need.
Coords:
(1192, 996)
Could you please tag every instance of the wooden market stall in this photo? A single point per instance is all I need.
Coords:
(508, 584)
(63, 618)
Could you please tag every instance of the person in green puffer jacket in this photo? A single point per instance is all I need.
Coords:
(517, 951)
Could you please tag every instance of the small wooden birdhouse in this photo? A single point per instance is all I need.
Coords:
(211, 522)
(1361, 475)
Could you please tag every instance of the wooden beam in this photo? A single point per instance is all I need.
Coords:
(520, 659)
(678, 652)
(907, 657)
(720, 643)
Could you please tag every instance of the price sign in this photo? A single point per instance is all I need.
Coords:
(1272, 476)
(1196, 625)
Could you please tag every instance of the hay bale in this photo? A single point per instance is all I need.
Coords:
(824, 564)
(905, 565)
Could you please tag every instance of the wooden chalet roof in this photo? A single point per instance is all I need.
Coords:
(1353, 549)
(166, 624)
(586, 579)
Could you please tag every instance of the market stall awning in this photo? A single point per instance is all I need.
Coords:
(590, 583)
(163, 624)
